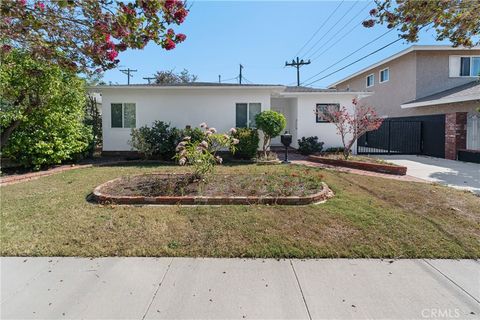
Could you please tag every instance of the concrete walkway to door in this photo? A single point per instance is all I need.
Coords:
(456, 174)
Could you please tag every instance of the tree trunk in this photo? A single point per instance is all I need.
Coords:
(7, 132)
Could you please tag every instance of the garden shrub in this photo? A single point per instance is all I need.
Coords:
(309, 145)
(248, 143)
(272, 124)
(195, 134)
(41, 112)
(202, 156)
(157, 141)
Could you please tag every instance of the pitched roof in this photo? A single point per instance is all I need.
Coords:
(465, 92)
(402, 53)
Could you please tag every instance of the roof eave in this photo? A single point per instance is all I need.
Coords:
(472, 97)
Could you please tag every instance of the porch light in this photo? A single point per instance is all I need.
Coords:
(286, 140)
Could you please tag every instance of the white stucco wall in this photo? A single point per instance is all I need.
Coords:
(306, 118)
(179, 106)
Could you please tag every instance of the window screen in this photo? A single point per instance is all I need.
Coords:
(475, 66)
(253, 110)
(384, 75)
(116, 115)
(129, 119)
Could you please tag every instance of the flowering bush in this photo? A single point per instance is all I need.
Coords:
(351, 126)
(202, 155)
(248, 145)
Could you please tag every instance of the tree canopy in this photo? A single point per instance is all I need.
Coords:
(87, 35)
(456, 20)
(41, 111)
(170, 77)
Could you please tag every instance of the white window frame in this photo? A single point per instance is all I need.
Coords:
(471, 66)
(248, 111)
(380, 75)
(123, 115)
(373, 80)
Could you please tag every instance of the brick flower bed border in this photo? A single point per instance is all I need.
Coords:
(102, 197)
(368, 166)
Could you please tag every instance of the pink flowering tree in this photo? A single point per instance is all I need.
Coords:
(203, 155)
(351, 125)
(87, 35)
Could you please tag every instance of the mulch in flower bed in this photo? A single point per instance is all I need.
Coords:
(282, 188)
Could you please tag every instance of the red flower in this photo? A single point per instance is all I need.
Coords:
(180, 37)
(169, 44)
(373, 12)
(170, 32)
(111, 55)
(39, 5)
(180, 15)
(23, 2)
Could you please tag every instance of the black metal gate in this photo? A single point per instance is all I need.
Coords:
(393, 137)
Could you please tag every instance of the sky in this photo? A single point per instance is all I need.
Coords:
(262, 36)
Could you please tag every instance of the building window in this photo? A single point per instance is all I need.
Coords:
(473, 131)
(123, 115)
(370, 80)
(245, 114)
(470, 66)
(323, 107)
(384, 75)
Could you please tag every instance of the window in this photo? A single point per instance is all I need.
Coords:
(384, 75)
(473, 131)
(245, 114)
(323, 107)
(370, 80)
(466, 66)
(123, 115)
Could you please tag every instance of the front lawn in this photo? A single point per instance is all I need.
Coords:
(368, 217)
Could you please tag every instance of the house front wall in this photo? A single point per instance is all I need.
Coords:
(412, 76)
(180, 107)
(307, 125)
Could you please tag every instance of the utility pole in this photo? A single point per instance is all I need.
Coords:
(240, 75)
(149, 79)
(297, 64)
(219, 79)
(128, 72)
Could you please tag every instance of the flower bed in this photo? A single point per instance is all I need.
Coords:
(375, 166)
(283, 189)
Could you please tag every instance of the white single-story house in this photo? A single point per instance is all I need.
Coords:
(222, 106)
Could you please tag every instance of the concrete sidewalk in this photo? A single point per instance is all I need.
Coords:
(167, 288)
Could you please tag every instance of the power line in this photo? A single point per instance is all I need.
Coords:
(328, 31)
(336, 42)
(348, 65)
(349, 55)
(335, 36)
(129, 74)
(297, 64)
(315, 33)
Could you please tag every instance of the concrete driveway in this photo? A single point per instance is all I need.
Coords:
(185, 288)
(456, 174)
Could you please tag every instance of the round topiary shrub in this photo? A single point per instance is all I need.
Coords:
(271, 123)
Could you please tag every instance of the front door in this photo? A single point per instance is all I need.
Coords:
(282, 110)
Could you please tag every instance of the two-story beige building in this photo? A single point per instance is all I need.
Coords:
(436, 86)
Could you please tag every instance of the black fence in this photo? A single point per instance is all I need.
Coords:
(409, 135)
(393, 137)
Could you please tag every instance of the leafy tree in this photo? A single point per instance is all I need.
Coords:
(42, 111)
(351, 126)
(170, 77)
(272, 124)
(456, 20)
(93, 119)
(86, 34)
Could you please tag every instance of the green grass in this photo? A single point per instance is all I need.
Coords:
(368, 217)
